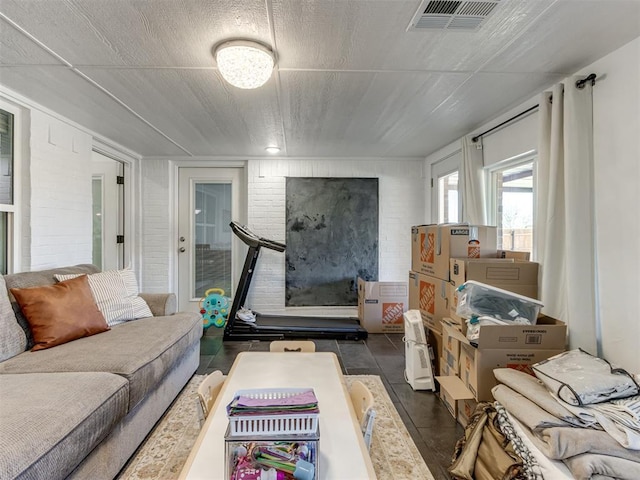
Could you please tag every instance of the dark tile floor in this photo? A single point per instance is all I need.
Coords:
(432, 428)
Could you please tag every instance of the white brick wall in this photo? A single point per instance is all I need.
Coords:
(59, 209)
(155, 227)
(401, 200)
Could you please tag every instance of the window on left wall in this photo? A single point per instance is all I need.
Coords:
(7, 191)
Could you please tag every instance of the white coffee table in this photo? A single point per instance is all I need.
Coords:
(342, 452)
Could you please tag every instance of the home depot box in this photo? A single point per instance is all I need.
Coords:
(450, 348)
(433, 245)
(510, 346)
(452, 392)
(430, 296)
(520, 277)
(453, 318)
(381, 305)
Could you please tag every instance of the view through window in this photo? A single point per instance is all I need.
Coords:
(448, 198)
(513, 188)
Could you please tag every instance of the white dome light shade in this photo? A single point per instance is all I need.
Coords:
(244, 64)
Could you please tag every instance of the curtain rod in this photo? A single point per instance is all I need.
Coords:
(475, 139)
(579, 84)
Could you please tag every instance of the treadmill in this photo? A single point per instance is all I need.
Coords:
(278, 327)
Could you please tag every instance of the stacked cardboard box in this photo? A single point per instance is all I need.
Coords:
(442, 258)
(430, 291)
(381, 305)
(431, 296)
(498, 346)
(510, 274)
(433, 245)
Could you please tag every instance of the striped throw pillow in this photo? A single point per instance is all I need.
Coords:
(116, 294)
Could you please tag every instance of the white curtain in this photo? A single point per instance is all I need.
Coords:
(564, 224)
(472, 185)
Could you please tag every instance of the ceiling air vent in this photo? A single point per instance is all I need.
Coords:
(452, 14)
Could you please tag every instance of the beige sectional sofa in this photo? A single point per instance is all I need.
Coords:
(81, 409)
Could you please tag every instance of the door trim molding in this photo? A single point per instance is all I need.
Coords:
(174, 179)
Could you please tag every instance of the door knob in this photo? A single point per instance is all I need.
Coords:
(182, 250)
(182, 239)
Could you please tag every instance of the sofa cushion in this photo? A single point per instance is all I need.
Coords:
(12, 338)
(60, 313)
(48, 422)
(35, 279)
(116, 293)
(142, 351)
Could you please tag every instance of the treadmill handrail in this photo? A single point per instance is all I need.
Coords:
(253, 240)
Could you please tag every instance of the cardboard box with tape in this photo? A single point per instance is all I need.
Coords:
(507, 346)
(381, 305)
(517, 276)
(433, 245)
(430, 296)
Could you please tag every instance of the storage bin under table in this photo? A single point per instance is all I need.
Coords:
(238, 445)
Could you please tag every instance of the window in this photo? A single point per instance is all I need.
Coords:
(512, 200)
(7, 207)
(446, 206)
(448, 198)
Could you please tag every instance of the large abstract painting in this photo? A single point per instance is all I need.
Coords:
(332, 239)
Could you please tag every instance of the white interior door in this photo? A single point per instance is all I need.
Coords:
(446, 203)
(108, 214)
(208, 199)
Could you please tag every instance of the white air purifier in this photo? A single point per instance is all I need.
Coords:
(418, 372)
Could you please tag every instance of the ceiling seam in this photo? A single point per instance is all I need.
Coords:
(279, 99)
(282, 69)
(92, 82)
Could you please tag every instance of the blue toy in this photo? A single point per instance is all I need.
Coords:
(214, 308)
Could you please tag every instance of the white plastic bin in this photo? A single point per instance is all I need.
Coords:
(274, 424)
(477, 299)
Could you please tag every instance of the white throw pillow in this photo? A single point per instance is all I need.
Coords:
(116, 293)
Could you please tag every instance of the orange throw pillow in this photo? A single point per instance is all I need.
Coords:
(60, 313)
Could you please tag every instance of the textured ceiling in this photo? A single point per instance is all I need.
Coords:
(351, 81)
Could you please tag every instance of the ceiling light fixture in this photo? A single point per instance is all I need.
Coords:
(244, 64)
(272, 149)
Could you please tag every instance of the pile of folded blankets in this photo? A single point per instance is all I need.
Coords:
(577, 418)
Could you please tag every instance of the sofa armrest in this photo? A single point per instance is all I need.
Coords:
(161, 304)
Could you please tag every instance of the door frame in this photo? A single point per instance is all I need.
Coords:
(131, 203)
(174, 173)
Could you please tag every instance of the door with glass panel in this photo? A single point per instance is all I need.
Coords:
(7, 205)
(107, 185)
(446, 206)
(208, 199)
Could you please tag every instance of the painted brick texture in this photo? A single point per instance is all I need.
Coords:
(401, 200)
(60, 203)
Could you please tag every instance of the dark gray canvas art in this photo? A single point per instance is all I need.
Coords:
(332, 239)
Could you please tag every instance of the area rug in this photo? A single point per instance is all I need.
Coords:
(162, 455)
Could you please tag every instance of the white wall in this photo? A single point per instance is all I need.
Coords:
(401, 206)
(616, 111)
(616, 125)
(60, 194)
(156, 229)
(401, 201)
(54, 170)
